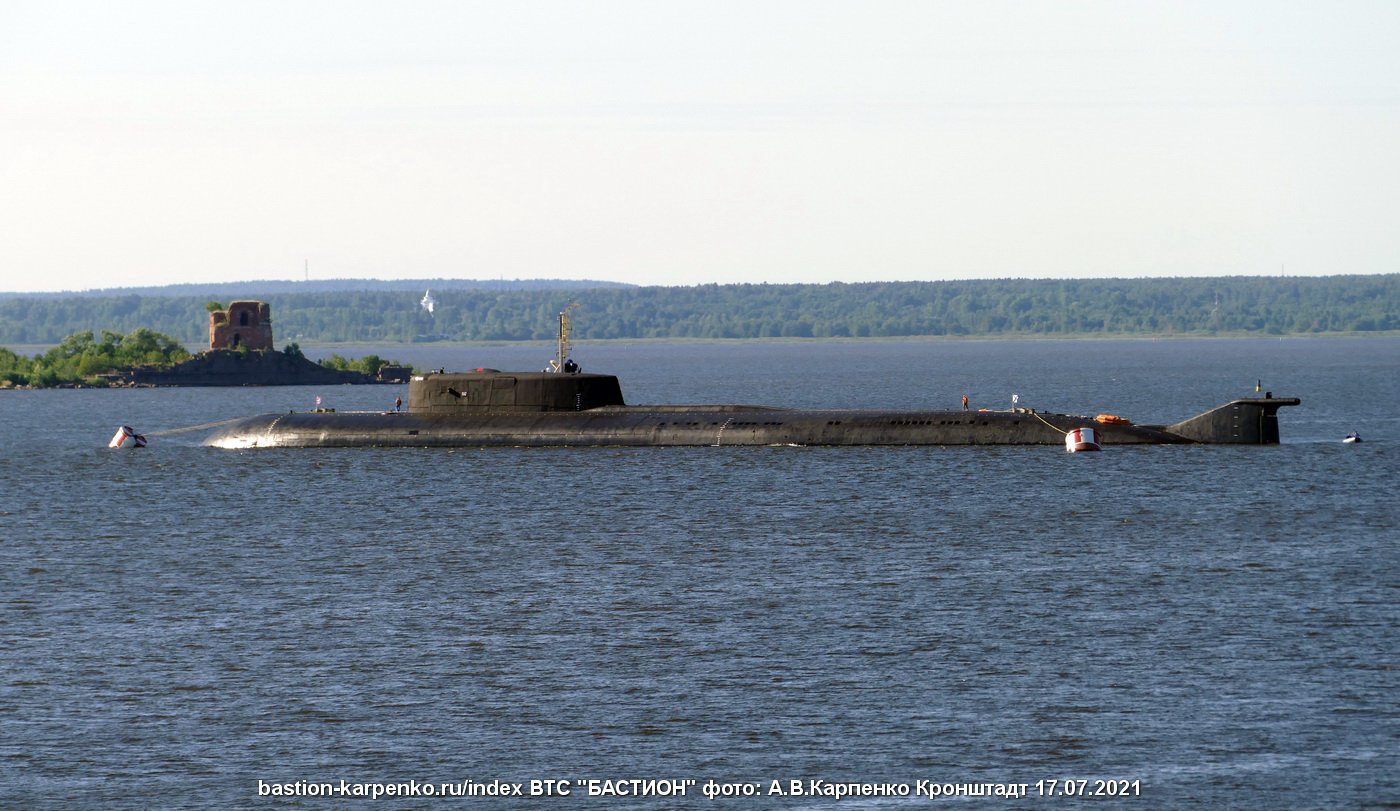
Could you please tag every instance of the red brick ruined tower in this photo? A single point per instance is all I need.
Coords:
(244, 323)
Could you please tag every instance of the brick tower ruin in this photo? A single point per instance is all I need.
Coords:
(244, 323)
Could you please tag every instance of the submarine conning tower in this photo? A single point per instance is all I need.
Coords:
(491, 391)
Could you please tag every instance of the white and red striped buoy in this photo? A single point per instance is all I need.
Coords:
(1082, 439)
(127, 438)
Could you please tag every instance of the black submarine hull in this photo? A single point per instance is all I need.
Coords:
(718, 426)
(490, 408)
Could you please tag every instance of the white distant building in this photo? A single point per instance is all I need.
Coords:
(428, 301)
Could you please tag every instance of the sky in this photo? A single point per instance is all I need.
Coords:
(681, 143)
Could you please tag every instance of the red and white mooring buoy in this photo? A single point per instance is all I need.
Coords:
(1082, 439)
(127, 438)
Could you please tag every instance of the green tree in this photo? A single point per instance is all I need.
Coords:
(15, 369)
(82, 356)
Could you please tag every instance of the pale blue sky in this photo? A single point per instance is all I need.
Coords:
(684, 143)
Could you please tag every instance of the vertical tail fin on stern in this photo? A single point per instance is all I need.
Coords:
(1247, 421)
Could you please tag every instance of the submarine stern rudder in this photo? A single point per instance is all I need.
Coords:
(1247, 421)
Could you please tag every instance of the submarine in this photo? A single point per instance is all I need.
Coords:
(487, 407)
(563, 406)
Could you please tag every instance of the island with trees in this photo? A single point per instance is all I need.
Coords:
(240, 353)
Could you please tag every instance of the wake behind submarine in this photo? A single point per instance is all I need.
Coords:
(564, 407)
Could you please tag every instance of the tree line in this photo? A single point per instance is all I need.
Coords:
(1002, 307)
(85, 357)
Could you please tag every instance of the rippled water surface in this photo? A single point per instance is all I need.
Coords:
(1218, 623)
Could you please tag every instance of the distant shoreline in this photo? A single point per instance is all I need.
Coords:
(315, 346)
(979, 310)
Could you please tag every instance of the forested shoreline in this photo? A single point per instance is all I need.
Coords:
(1003, 307)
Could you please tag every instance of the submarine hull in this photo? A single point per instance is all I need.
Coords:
(491, 408)
(653, 427)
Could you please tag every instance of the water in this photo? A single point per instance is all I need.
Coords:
(1218, 623)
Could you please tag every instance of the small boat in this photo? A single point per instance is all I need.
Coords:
(1352, 437)
(126, 437)
(1082, 439)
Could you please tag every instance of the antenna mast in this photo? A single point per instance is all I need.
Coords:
(565, 330)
